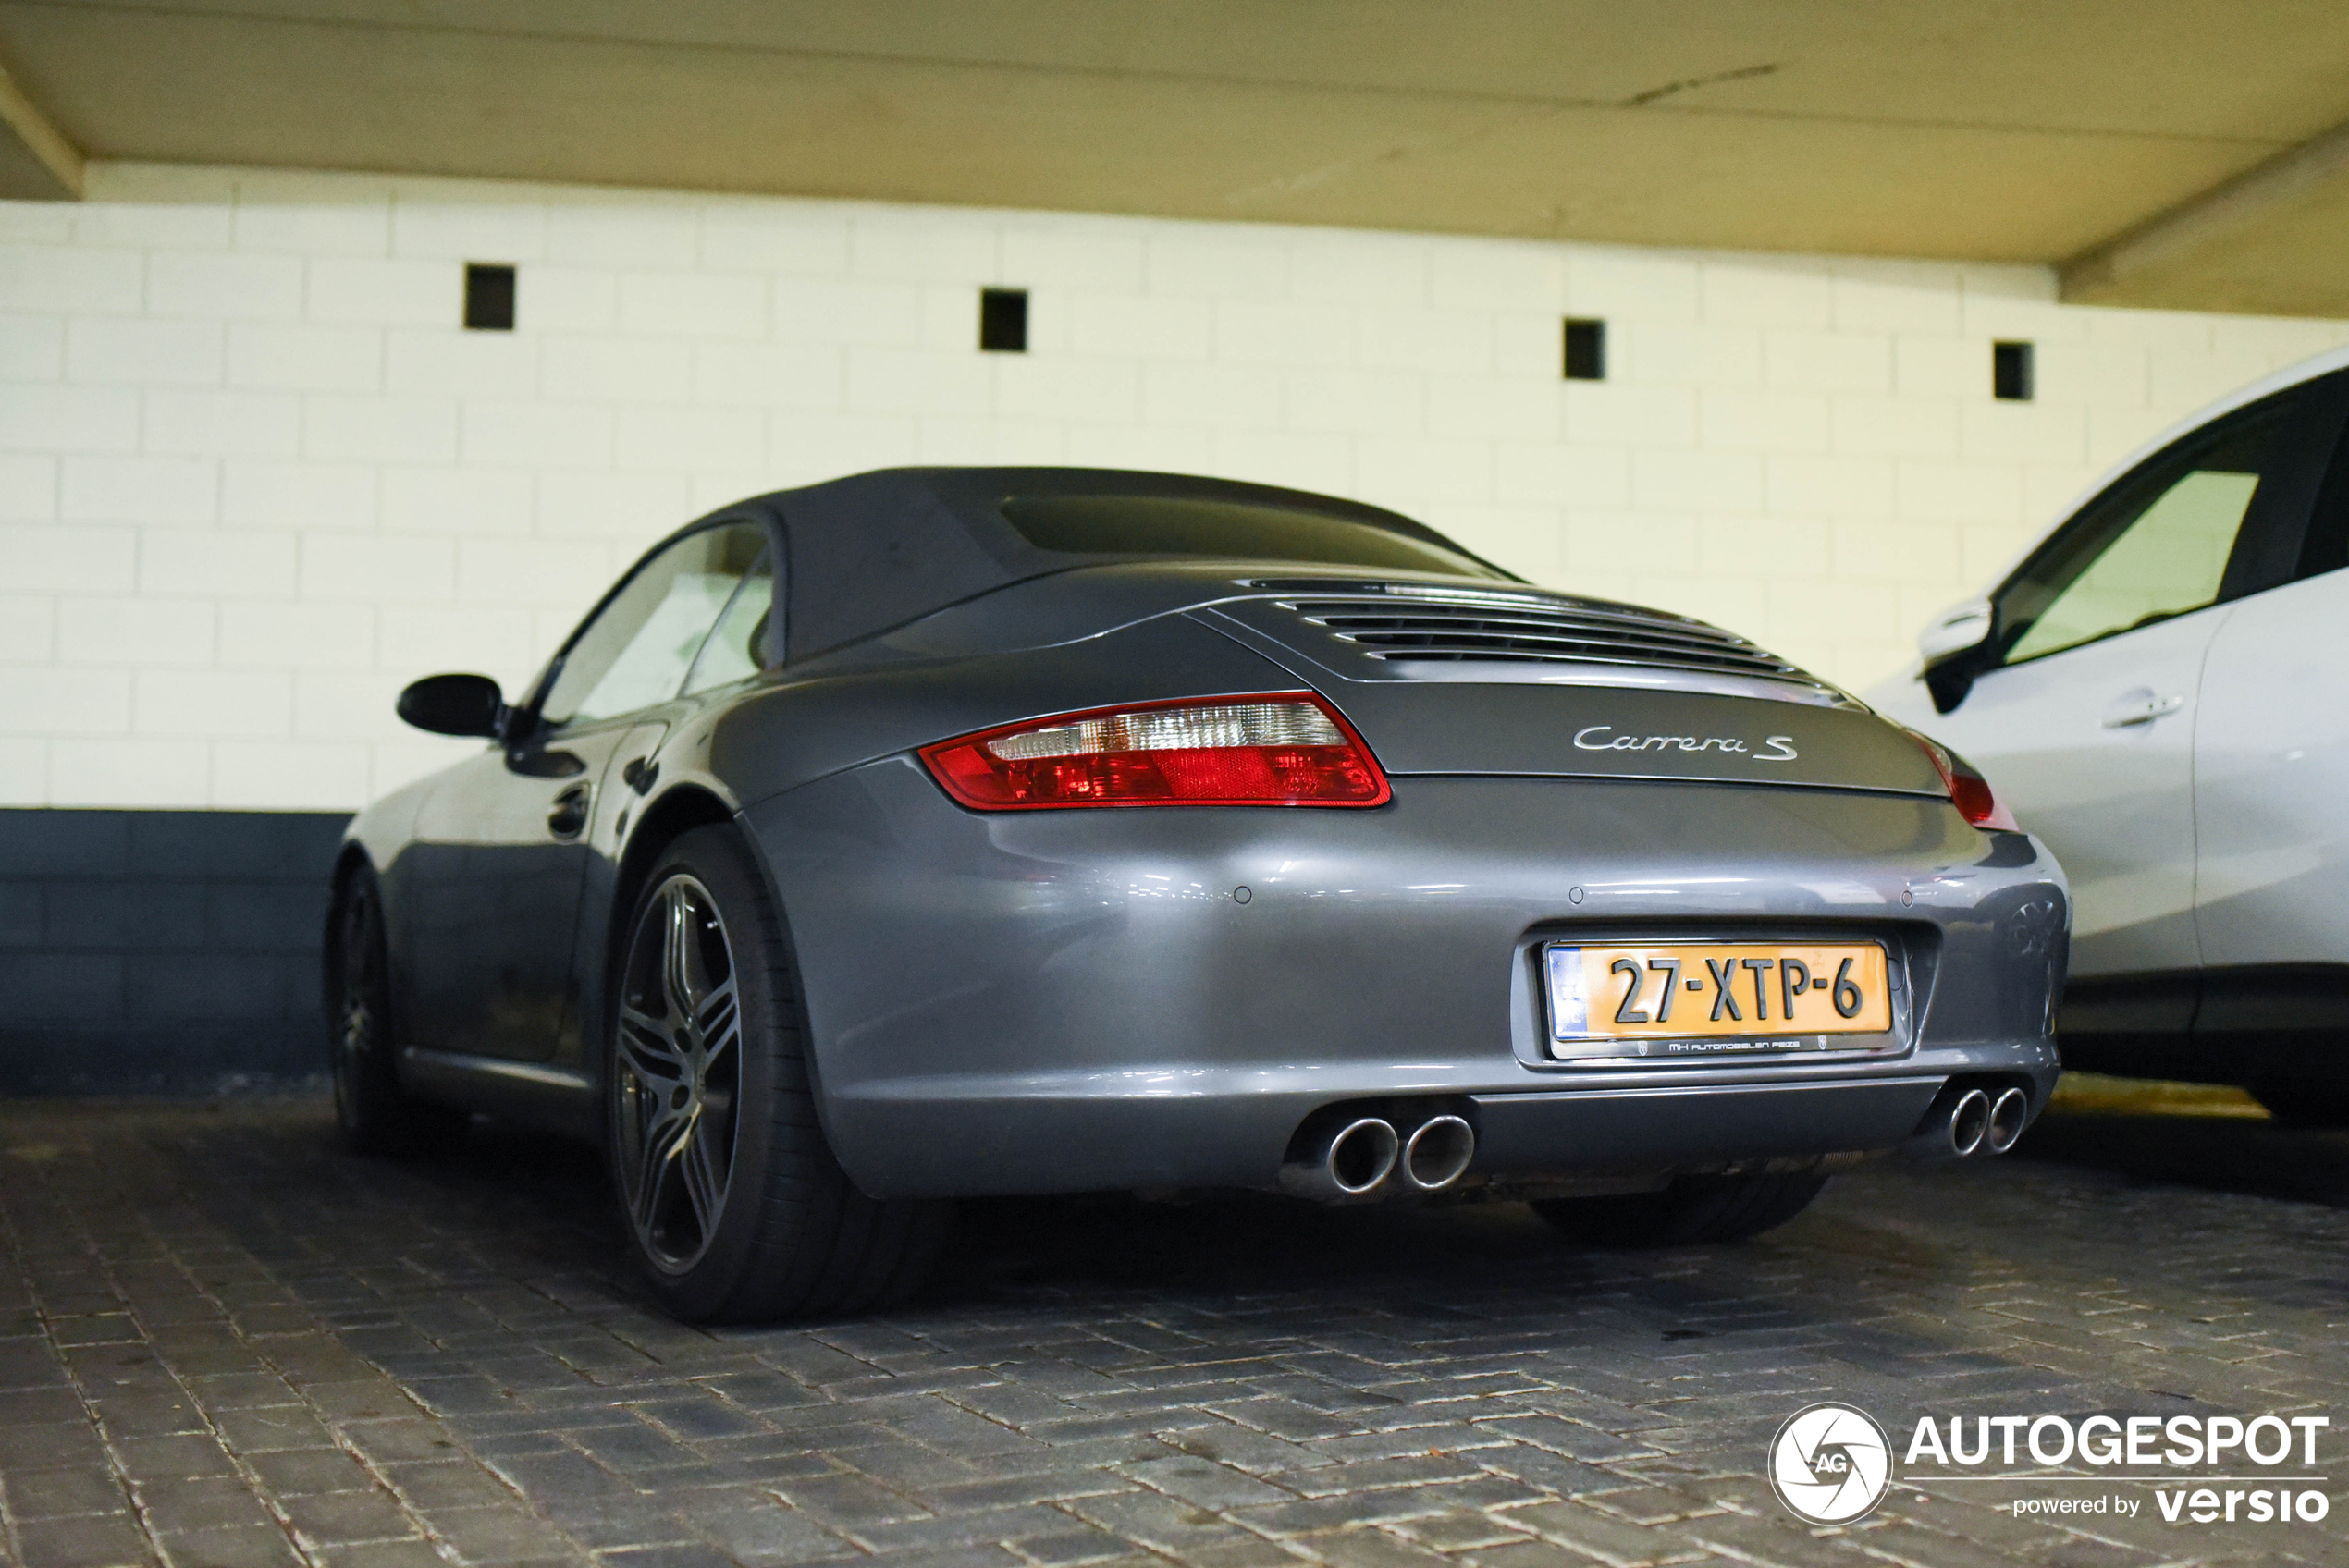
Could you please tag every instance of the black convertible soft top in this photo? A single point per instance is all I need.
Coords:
(875, 550)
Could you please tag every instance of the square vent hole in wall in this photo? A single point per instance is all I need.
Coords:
(2010, 373)
(1002, 321)
(489, 297)
(1585, 349)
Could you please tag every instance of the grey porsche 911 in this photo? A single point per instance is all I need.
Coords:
(958, 832)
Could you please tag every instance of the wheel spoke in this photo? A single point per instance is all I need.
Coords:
(659, 1148)
(645, 1045)
(719, 1022)
(676, 954)
(705, 1184)
(650, 1088)
(662, 1128)
(650, 1191)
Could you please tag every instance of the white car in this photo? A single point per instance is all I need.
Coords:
(2159, 689)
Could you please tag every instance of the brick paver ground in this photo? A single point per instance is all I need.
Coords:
(223, 1343)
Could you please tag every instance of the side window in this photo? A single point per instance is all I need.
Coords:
(635, 651)
(2155, 546)
(738, 643)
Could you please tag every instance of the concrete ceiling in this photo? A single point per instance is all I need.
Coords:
(2161, 152)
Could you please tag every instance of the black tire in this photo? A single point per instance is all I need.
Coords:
(1692, 1209)
(2295, 1105)
(375, 1115)
(731, 1197)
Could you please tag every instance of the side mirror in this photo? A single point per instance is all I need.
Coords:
(455, 705)
(1954, 630)
(1953, 644)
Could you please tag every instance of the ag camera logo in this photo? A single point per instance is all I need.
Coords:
(1830, 1463)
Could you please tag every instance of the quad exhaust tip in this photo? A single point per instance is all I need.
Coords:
(2010, 1113)
(1969, 1123)
(1349, 1160)
(1362, 1155)
(1437, 1153)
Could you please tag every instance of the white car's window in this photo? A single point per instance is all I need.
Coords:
(2169, 560)
(635, 652)
(2156, 546)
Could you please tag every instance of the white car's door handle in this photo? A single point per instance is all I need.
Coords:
(2140, 708)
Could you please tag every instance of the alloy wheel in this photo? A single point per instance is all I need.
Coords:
(677, 1073)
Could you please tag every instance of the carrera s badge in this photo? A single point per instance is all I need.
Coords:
(1603, 738)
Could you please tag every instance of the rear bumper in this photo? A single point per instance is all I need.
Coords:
(962, 1140)
(1533, 1134)
(1080, 1000)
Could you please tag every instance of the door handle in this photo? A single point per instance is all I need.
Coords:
(568, 818)
(2140, 708)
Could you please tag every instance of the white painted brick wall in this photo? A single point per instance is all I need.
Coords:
(254, 477)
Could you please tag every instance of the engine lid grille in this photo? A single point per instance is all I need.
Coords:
(1418, 625)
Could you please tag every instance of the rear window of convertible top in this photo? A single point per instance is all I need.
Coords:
(1178, 526)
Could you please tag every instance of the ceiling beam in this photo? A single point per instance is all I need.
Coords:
(38, 162)
(2134, 263)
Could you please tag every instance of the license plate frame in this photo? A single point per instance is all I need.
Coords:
(1877, 1028)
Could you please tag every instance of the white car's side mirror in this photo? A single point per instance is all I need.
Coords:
(1956, 647)
(1954, 630)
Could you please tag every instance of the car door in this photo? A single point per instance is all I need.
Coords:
(2272, 772)
(2085, 717)
(745, 642)
(504, 843)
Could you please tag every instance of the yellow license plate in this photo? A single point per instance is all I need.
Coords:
(1685, 990)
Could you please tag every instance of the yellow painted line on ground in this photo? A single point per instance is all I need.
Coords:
(2093, 1093)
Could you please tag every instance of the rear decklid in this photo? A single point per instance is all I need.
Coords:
(1470, 680)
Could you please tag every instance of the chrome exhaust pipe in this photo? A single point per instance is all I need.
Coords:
(1437, 1153)
(1969, 1123)
(2010, 1114)
(1350, 1162)
(1954, 1126)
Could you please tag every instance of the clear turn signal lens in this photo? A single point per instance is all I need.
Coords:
(1283, 749)
(1969, 791)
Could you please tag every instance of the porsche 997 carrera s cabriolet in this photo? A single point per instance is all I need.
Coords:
(951, 832)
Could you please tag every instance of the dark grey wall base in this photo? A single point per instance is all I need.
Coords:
(161, 951)
(181, 1060)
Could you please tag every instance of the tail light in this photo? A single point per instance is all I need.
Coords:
(1281, 749)
(1969, 791)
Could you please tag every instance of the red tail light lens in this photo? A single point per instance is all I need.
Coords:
(1969, 791)
(1282, 749)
